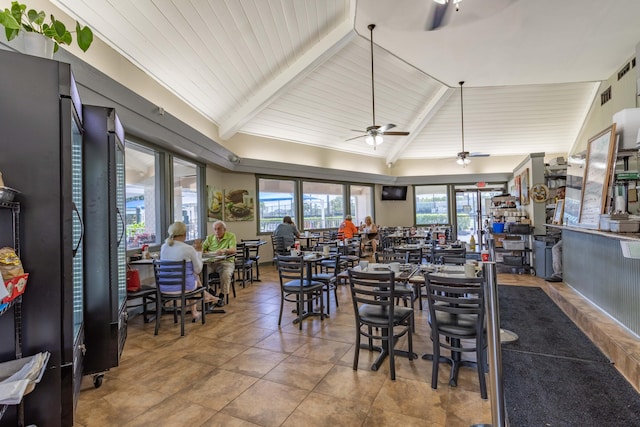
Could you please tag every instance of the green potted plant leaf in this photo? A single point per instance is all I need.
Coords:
(31, 21)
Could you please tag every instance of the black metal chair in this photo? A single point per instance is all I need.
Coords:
(457, 313)
(330, 280)
(253, 251)
(171, 289)
(436, 253)
(373, 296)
(244, 265)
(295, 287)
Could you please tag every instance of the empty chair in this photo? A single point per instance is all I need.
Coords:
(244, 265)
(295, 287)
(171, 288)
(436, 253)
(414, 255)
(389, 257)
(456, 317)
(253, 252)
(377, 316)
(277, 242)
(452, 260)
(330, 280)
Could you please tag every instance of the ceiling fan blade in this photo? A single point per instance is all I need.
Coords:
(479, 155)
(356, 137)
(383, 128)
(437, 16)
(398, 133)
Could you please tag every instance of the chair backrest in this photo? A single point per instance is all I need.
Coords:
(455, 295)
(436, 253)
(278, 245)
(242, 253)
(389, 257)
(415, 256)
(290, 268)
(252, 250)
(171, 275)
(374, 290)
(452, 260)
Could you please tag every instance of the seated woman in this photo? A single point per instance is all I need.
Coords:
(371, 234)
(175, 249)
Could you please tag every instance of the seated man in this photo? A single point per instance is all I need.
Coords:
(222, 242)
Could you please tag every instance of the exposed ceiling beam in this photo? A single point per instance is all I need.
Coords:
(314, 57)
(425, 116)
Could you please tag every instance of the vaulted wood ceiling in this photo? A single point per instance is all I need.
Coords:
(300, 70)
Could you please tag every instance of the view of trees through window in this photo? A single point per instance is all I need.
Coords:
(141, 219)
(432, 204)
(321, 204)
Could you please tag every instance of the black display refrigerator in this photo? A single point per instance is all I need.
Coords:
(105, 287)
(41, 156)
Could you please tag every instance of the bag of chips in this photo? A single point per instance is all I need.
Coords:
(10, 264)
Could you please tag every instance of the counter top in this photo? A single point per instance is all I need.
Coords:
(617, 236)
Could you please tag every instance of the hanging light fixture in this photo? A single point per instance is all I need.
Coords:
(456, 2)
(463, 156)
(374, 139)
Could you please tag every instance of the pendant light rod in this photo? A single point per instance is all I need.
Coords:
(373, 93)
(462, 116)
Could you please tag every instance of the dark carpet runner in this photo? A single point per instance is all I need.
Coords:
(554, 375)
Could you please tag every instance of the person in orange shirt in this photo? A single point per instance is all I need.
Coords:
(347, 229)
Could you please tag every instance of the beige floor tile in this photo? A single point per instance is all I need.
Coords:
(319, 410)
(299, 372)
(345, 383)
(322, 350)
(254, 361)
(266, 403)
(216, 390)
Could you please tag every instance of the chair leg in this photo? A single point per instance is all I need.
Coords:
(392, 360)
(480, 358)
(436, 359)
(281, 307)
(183, 308)
(158, 313)
(356, 353)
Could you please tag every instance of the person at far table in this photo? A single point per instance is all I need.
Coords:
(288, 231)
(556, 250)
(370, 235)
(222, 242)
(347, 228)
(175, 249)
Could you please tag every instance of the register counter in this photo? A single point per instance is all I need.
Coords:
(593, 264)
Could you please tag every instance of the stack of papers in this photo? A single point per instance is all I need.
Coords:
(19, 377)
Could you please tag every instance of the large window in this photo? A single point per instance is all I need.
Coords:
(323, 205)
(141, 196)
(277, 200)
(153, 200)
(361, 201)
(432, 204)
(185, 196)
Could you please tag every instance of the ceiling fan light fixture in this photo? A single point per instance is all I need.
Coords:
(446, 1)
(374, 140)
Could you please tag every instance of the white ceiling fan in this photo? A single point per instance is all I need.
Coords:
(464, 157)
(374, 134)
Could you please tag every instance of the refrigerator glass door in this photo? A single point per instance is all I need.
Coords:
(120, 208)
(77, 227)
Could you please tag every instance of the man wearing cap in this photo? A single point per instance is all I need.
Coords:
(347, 229)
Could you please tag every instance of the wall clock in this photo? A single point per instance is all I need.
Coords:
(539, 193)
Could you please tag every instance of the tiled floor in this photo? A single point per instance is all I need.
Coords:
(241, 369)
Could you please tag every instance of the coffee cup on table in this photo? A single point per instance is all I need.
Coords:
(364, 265)
(469, 270)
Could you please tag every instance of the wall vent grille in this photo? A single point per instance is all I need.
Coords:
(605, 96)
(624, 70)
